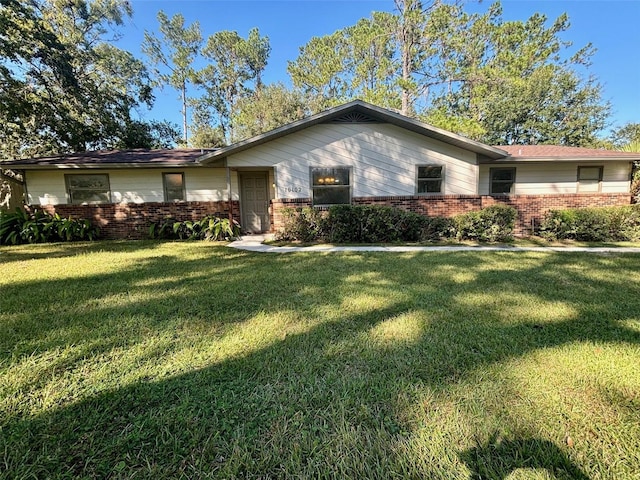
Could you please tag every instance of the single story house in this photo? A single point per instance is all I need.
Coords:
(355, 153)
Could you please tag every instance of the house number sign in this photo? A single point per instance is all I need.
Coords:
(293, 189)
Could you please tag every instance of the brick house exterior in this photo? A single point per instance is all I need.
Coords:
(531, 208)
(355, 153)
(132, 220)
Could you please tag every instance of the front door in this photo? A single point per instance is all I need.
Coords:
(254, 201)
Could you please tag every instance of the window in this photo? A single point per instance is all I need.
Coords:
(331, 186)
(430, 178)
(173, 187)
(502, 180)
(589, 179)
(88, 188)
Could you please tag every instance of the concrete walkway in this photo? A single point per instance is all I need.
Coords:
(253, 243)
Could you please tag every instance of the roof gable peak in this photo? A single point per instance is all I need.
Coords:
(358, 111)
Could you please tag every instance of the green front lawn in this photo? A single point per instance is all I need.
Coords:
(192, 360)
(517, 242)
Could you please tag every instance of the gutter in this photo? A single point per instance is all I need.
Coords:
(561, 159)
(103, 166)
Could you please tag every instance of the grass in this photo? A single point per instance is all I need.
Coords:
(192, 360)
(530, 241)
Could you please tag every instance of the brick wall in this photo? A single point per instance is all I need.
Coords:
(277, 220)
(531, 208)
(132, 220)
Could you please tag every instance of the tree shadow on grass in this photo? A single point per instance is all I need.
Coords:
(43, 314)
(321, 400)
(20, 253)
(499, 458)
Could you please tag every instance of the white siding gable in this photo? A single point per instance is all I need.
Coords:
(383, 158)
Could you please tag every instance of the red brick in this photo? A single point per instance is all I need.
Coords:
(531, 208)
(132, 220)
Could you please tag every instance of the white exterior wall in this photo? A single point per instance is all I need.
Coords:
(209, 184)
(383, 158)
(558, 177)
(45, 187)
(135, 185)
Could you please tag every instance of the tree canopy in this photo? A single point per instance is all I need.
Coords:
(65, 86)
(233, 71)
(273, 107)
(500, 82)
(172, 56)
(627, 137)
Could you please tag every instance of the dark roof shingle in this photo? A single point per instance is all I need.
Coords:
(555, 151)
(140, 156)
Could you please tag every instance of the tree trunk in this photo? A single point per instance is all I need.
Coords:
(406, 37)
(406, 73)
(184, 112)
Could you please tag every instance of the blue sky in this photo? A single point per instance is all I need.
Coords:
(610, 25)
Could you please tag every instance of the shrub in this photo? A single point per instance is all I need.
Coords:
(40, 227)
(302, 224)
(208, 228)
(22, 227)
(491, 224)
(162, 230)
(69, 229)
(437, 228)
(371, 224)
(382, 224)
(592, 224)
(215, 228)
(343, 224)
(361, 224)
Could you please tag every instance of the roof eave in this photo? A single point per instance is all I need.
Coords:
(561, 159)
(93, 166)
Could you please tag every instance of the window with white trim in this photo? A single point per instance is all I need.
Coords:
(589, 179)
(331, 185)
(88, 188)
(502, 181)
(430, 179)
(173, 187)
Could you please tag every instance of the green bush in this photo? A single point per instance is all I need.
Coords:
(213, 228)
(40, 227)
(22, 227)
(302, 224)
(162, 229)
(372, 224)
(491, 224)
(382, 224)
(351, 224)
(436, 229)
(592, 224)
(208, 228)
